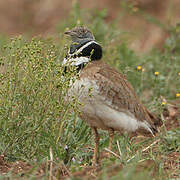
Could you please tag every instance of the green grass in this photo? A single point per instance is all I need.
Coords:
(35, 118)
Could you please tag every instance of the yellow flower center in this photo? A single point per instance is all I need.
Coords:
(139, 67)
(163, 103)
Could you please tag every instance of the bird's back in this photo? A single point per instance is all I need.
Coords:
(117, 93)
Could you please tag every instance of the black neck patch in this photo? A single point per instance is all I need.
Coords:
(93, 51)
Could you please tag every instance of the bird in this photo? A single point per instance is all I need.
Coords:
(113, 104)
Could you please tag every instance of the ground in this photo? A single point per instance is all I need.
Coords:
(171, 161)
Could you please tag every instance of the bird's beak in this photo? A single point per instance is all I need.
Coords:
(67, 32)
(70, 33)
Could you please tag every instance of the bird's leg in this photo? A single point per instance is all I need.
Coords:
(111, 136)
(96, 141)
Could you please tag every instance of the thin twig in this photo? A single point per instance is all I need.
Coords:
(119, 148)
(116, 155)
(145, 149)
(151, 145)
(51, 164)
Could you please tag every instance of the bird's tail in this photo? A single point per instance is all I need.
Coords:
(155, 123)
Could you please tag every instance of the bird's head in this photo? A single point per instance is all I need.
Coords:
(78, 34)
(83, 48)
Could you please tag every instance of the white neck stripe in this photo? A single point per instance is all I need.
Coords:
(75, 61)
(78, 60)
(84, 46)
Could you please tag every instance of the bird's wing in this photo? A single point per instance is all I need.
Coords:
(116, 91)
(119, 92)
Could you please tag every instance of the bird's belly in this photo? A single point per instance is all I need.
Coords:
(102, 116)
(99, 113)
(88, 114)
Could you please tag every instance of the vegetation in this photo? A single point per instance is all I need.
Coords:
(38, 128)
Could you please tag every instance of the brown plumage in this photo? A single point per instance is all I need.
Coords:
(115, 88)
(113, 104)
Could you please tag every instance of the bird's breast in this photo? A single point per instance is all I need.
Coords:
(99, 112)
(83, 88)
